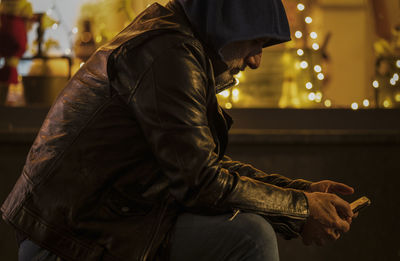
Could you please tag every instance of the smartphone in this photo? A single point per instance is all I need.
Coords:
(360, 204)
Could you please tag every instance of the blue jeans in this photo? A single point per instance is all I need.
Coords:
(247, 237)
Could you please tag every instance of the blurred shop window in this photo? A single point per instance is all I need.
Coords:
(343, 53)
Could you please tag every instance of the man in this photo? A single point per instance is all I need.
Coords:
(129, 163)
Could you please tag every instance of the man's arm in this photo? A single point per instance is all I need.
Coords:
(170, 105)
(275, 179)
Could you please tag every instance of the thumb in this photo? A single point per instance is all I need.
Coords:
(342, 225)
(342, 206)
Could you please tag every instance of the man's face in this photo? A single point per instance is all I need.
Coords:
(239, 55)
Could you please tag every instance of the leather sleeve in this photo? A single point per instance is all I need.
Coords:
(275, 179)
(170, 104)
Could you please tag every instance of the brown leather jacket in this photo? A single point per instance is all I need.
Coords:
(134, 139)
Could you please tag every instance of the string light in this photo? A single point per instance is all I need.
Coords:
(366, 102)
(228, 105)
(235, 95)
(54, 26)
(313, 35)
(328, 103)
(298, 34)
(311, 96)
(396, 77)
(67, 51)
(308, 20)
(309, 85)
(225, 93)
(301, 7)
(74, 30)
(397, 97)
(318, 96)
(300, 52)
(375, 84)
(317, 68)
(321, 76)
(315, 46)
(386, 103)
(354, 106)
(392, 81)
(304, 64)
(398, 63)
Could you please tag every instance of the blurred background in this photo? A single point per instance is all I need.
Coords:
(323, 106)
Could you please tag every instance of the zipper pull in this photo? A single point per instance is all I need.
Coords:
(235, 213)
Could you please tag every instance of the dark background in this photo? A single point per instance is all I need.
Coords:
(360, 148)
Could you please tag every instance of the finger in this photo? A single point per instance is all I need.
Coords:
(341, 225)
(342, 207)
(341, 188)
(333, 234)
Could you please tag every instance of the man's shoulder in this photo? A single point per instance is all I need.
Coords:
(162, 42)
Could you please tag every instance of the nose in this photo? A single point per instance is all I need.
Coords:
(254, 60)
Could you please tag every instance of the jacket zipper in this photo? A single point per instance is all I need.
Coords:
(157, 228)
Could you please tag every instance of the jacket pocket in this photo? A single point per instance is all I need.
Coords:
(122, 205)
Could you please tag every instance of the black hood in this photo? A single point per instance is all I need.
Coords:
(220, 22)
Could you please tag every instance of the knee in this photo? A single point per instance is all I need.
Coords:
(261, 237)
(256, 227)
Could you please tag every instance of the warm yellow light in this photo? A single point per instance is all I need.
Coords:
(317, 68)
(235, 92)
(228, 105)
(298, 34)
(225, 93)
(392, 81)
(239, 75)
(99, 38)
(398, 63)
(236, 81)
(396, 77)
(313, 35)
(397, 97)
(300, 52)
(311, 96)
(82, 63)
(328, 103)
(354, 106)
(315, 46)
(309, 85)
(308, 20)
(366, 102)
(75, 30)
(375, 84)
(386, 103)
(301, 7)
(304, 64)
(321, 76)
(318, 97)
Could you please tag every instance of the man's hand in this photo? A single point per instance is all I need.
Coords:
(329, 186)
(329, 217)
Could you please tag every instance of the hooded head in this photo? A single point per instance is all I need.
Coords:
(221, 22)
